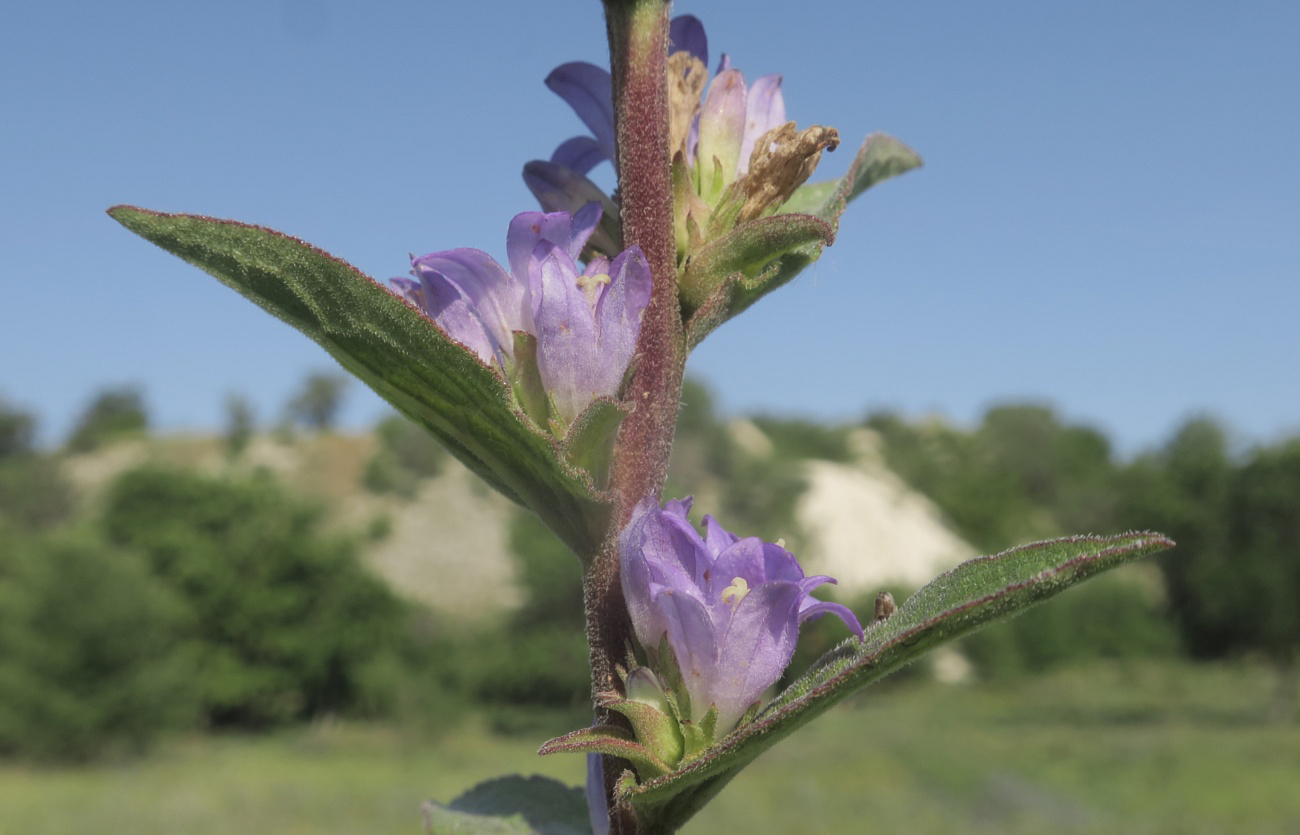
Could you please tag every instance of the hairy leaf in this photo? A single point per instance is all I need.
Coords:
(512, 805)
(395, 350)
(975, 593)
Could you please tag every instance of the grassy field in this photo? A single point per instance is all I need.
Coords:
(1151, 748)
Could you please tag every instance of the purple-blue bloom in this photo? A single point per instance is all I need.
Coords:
(585, 321)
(730, 607)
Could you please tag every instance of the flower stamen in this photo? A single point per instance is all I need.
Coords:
(735, 592)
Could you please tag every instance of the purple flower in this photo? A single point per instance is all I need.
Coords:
(730, 607)
(735, 157)
(585, 321)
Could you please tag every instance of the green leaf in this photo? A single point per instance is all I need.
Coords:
(611, 740)
(398, 352)
(879, 158)
(975, 593)
(512, 805)
(745, 250)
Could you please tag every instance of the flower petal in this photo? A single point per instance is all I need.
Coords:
(764, 110)
(691, 635)
(686, 34)
(716, 537)
(566, 332)
(497, 299)
(597, 803)
(618, 315)
(561, 189)
(528, 229)
(589, 91)
(445, 303)
(581, 154)
(755, 648)
(722, 129)
(839, 610)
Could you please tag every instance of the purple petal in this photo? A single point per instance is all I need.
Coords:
(691, 635)
(445, 304)
(585, 221)
(561, 189)
(755, 648)
(716, 537)
(597, 803)
(497, 299)
(618, 315)
(566, 332)
(528, 229)
(722, 126)
(686, 34)
(819, 608)
(680, 508)
(408, 289)
(764, 110)
(581, 154)
(743, 559)
(589, 91)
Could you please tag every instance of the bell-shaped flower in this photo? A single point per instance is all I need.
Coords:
(728, 608)
(579, 325)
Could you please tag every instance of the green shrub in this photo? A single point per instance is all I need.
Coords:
(91, 657)
(285, 617)
(1109, 617)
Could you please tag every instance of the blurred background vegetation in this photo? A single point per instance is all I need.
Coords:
(173, 603)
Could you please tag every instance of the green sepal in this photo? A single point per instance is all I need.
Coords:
(700, 735)
(879, 158)
(399, 353)
(526, 379)
(670, 673)
(972, 595)
(654, 729)
(745, 250)
(512, 805)
(613, 741)
(589, 442)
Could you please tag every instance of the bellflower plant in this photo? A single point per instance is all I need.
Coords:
(559, 384)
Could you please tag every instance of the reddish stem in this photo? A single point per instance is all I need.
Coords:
(638, 43)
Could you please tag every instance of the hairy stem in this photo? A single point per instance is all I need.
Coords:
(638, 44)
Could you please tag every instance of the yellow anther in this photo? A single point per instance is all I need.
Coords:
(591, 284)
(735, 592)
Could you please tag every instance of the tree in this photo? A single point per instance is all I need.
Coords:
(239, 424)
(113, 413)
(1234, 580)
(317, 403)
(91, 657)
(286, 618)
(33, 492)
(1265, 532)
(17, 432)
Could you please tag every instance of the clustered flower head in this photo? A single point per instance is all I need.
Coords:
(735, 156)
(728, 609)
(570, 331)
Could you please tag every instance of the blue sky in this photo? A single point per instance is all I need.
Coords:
(1108, 219)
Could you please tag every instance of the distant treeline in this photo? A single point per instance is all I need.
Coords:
(185, 601)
